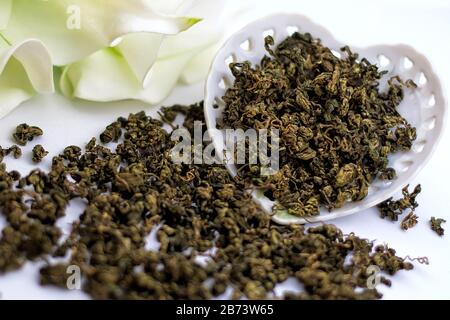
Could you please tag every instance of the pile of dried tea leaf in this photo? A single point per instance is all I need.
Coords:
(212, 237)
(337, 127)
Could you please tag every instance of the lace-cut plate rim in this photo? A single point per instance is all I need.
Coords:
(424, 107)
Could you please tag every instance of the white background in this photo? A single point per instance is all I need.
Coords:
(424, 25)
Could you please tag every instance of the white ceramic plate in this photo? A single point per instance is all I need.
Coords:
(424, 107)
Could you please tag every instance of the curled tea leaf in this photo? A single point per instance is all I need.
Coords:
(337, 126)
(39, 153)
(25, 133)
(436, 225)
(409, 221)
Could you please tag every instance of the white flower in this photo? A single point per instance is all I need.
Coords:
(147, 66)
(36, 34)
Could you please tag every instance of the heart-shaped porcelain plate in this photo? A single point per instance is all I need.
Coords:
(424, 107)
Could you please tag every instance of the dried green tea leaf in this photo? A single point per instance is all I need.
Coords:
(436, 225)
(112, 133)
(387, 174)
(14, 150)
(337, 127)
(392, 209)
(409, 221)
(38, 153)
(196, 211)
(25, 133)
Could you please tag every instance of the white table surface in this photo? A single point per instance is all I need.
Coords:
(424, 25)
